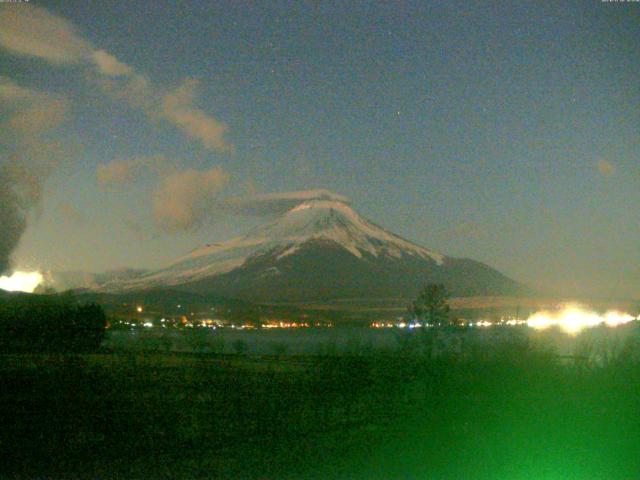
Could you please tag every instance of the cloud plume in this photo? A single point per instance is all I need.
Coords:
(187, 200)
(29, 156)
(72, 213)
(276, 203)
(12, 219)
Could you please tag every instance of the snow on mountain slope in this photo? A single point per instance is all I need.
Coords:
(338, 222)
(327, 220)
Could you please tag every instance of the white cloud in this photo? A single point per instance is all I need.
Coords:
(29, 30)
(181, 200)
(177, 107)
(110, 65)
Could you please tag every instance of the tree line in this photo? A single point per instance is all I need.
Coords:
(49, 323)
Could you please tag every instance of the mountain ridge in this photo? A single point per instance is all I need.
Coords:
(319, 249)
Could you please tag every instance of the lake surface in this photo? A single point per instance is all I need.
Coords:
(358, 341)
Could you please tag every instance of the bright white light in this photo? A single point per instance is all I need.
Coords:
(21, 281)
(573, 319)
(614, 318)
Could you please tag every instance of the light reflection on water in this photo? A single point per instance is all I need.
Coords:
(352, 340)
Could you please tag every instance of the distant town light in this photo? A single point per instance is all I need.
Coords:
(573, 319)
(139, 309)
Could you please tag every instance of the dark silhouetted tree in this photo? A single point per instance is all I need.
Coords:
(432, 305)
(52, 323)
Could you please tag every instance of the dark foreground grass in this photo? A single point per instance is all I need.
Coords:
(503, 416)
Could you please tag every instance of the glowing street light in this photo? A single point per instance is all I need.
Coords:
(573, 319)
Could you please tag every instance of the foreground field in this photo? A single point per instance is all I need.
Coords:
(508, 411)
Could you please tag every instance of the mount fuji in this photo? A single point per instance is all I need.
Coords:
(317, 251)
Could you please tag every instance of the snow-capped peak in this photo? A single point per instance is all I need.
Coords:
(338, 222)
(317, 219)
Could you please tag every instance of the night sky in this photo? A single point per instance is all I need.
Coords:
(506, 132)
